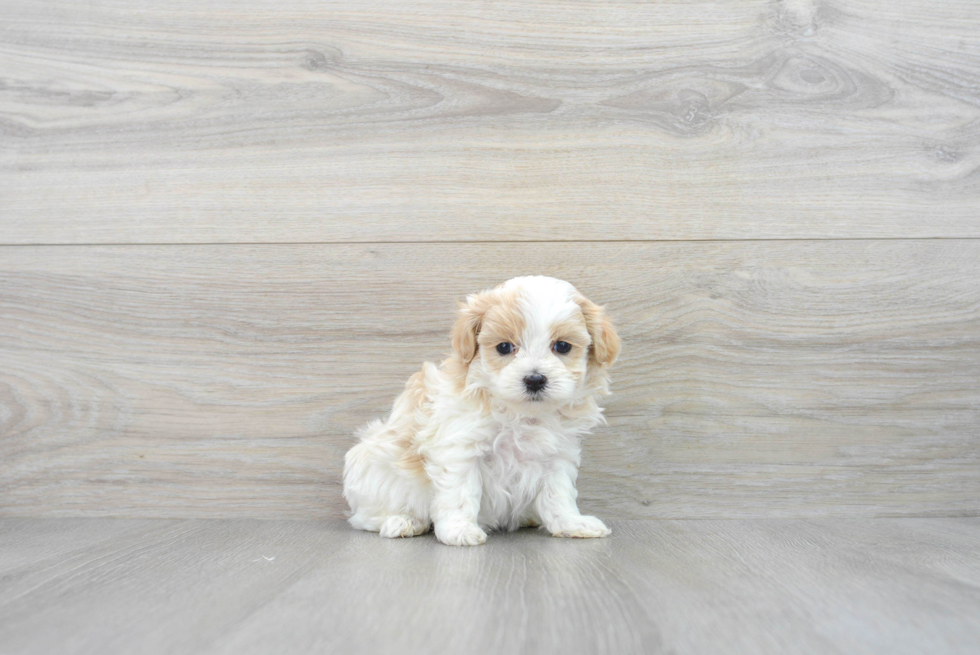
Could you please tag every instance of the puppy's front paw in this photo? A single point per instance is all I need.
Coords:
(580, 527)
(460, 534)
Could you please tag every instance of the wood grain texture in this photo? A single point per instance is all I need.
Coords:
(228, 121)
(892, 586)
(758, 379)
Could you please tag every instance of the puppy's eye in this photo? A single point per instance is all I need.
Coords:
(505, 348)
(562, 347)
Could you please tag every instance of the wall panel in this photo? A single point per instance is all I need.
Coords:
(757, 378)
(221, 121)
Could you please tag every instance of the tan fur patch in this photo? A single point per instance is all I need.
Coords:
(469, 321)
(485, 320)
(605, 341)
(411, 411)
(412, 461)
(415, 389)
(457, 370)
(573, 331)
(503, 322)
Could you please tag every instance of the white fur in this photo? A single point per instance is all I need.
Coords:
(488, 457)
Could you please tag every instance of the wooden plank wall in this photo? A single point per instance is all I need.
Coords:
(230, 230)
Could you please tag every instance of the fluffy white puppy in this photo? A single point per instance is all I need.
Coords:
(491, 438)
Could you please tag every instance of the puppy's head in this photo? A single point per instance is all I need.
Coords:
(534, 342)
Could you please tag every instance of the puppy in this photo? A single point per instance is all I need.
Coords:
(491, 438)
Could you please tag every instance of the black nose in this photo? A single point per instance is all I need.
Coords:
(535, 382)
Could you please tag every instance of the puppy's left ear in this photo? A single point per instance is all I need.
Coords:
(469, 318)
(605, 341)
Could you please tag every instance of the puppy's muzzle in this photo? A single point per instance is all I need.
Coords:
(535, 382)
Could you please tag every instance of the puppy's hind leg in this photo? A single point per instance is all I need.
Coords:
(364, 475)
(402, 525)
(367, 519)
(383, 496)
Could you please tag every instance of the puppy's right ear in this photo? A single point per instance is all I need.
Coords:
(605, 341)
(469, 318)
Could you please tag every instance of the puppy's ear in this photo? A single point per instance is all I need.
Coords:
(605, 341)
(469, 318)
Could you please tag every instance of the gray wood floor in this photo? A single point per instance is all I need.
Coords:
(844, 586)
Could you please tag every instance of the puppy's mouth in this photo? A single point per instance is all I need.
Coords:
(535, 396)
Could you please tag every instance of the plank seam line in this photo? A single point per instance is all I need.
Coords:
(473, 242)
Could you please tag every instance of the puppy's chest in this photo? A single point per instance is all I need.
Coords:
(527, 443)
